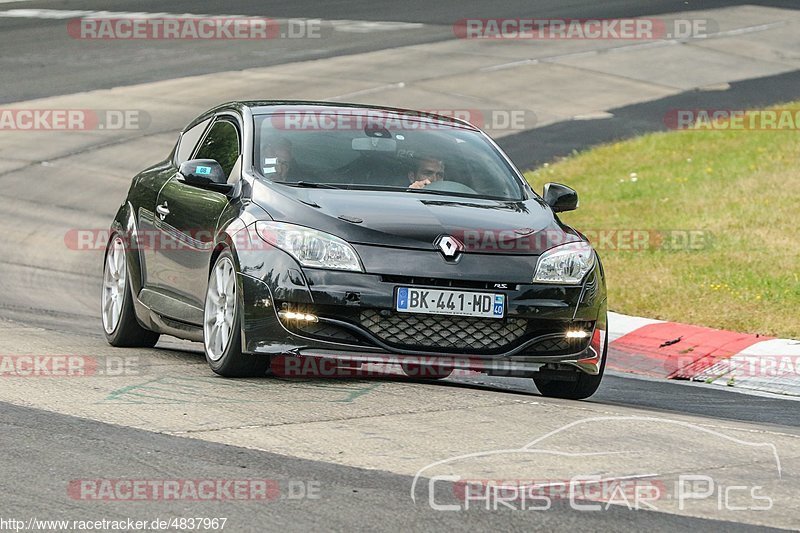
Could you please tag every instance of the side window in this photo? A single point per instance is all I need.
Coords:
(221, 144)
(189, 140)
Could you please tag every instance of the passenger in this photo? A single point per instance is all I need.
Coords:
(278, 159)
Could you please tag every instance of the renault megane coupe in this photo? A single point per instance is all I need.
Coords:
(357, 234)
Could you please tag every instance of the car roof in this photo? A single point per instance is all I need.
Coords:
(260, 107)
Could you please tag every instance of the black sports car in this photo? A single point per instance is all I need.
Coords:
(355, 234)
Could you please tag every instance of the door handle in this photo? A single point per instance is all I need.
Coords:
(162, 210)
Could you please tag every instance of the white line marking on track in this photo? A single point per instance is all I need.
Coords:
(635, 46)
(398, 85)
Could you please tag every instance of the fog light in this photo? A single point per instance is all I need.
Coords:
(294, 315)
(577, 334)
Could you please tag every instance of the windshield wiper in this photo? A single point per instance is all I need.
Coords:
(308, 184)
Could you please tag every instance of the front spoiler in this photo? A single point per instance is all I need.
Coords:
(587, 361)
(263, 333)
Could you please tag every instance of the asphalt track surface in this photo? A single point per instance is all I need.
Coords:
(40, 59)
(354, 499)
(43, 449)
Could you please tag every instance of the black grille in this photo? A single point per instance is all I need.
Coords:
(445, 332)
(438, 282)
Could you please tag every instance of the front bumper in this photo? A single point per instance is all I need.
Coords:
(351, 305)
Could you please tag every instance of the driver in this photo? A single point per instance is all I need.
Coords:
(428, 170)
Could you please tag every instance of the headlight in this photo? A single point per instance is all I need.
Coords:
(310, 247)
(567, 263)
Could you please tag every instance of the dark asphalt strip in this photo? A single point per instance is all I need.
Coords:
(532, 148)
(675, 397)
(444, 12)
(43, 452)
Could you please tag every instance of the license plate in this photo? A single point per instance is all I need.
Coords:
(446, 302)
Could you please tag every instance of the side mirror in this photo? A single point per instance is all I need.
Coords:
(204, 174)
(560, 197)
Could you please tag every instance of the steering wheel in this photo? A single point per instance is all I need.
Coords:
(450, 186)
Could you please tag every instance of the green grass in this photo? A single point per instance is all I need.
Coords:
(741, 188)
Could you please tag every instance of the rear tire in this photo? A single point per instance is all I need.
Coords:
(222, 332)
(120, 324)
(584, 386)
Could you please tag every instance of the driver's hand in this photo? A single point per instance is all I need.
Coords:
(420, 184)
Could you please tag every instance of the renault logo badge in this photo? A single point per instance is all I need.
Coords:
(449, 246)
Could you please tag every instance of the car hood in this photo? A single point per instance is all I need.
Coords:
(418, 220)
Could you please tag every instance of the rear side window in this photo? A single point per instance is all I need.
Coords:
(189, 140)
(221, 144)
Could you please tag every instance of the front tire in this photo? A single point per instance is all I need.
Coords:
(119, 318)
(584, 386)
(222, 333)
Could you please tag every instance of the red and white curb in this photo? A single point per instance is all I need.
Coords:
(671, 350)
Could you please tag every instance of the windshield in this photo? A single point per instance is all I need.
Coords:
(377, 150)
